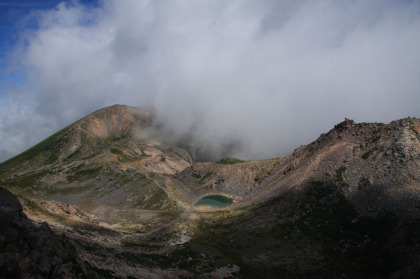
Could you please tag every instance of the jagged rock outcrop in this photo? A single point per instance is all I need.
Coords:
(377, 165)
(29, 250)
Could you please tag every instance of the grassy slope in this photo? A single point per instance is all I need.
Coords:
(41, 154)
(45, 152)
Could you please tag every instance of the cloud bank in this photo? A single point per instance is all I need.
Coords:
(265, 75)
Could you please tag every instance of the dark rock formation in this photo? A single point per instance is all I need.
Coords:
(29, 250)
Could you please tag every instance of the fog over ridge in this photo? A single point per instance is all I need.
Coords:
(266, 75)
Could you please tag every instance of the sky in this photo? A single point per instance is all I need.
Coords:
(262, 76)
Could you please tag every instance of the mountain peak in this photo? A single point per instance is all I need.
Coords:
(87, 136)
(131, 201)
(116, 121)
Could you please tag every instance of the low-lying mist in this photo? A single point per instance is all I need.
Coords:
(248, 79)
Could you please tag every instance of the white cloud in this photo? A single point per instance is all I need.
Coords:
(269, 74)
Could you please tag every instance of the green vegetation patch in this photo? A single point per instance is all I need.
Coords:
(46, 147)
(206, 176)
(339, 174)
(228, 161)
(366, 155)
(68, 190)
(258, 179)
(29, 179)
(88, 171)
(83, 173)
(116, 151)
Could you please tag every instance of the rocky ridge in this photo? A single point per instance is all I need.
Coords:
(124, 198)
(368, 160)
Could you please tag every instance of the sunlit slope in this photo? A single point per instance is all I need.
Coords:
(110, 158)
(82, 139)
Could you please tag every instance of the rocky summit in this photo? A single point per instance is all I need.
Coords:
(113, 196)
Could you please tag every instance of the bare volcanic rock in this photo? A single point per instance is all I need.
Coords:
(119, 195)
(28, 250)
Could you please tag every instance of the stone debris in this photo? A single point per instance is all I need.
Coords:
(29, 250)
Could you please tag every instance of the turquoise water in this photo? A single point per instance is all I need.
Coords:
(215, 201)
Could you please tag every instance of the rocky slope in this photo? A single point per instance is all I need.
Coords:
(30, 250)
(111, 135)
(376, 165)
(345, 205)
